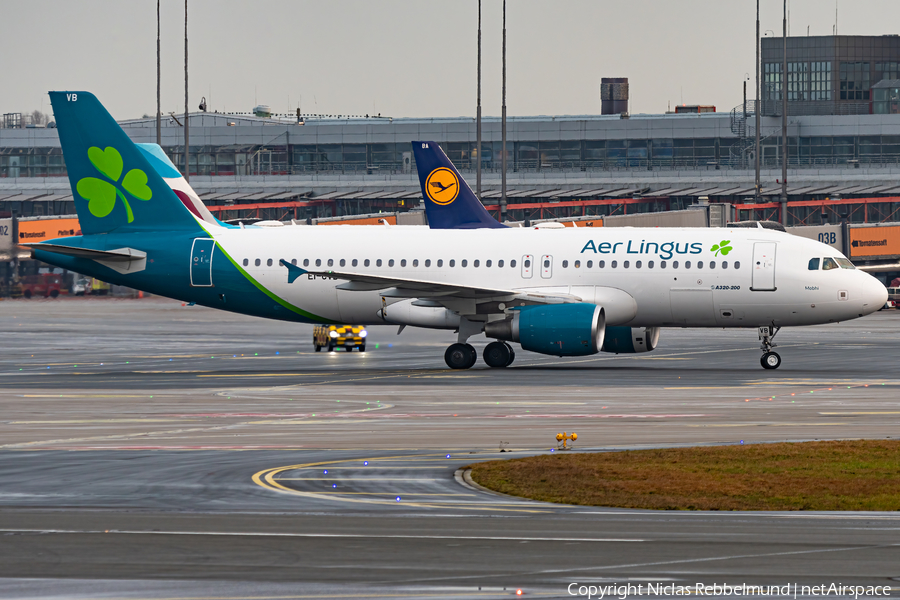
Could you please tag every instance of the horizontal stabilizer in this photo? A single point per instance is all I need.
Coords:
(122, 260)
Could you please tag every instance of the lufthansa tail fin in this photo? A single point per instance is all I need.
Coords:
(449, 201)
(114, 184)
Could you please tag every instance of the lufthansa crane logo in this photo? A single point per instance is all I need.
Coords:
(442, 186)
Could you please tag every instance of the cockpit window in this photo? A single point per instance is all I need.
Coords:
(828, 264)
(814, 264)
(845, 264)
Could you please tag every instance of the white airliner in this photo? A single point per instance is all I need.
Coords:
(556, 291)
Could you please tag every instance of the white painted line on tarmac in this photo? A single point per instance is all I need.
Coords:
(324, 535)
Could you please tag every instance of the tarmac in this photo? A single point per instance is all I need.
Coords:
(154, 450)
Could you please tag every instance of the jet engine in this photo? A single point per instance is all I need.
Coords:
(555, 329)
(628, 340)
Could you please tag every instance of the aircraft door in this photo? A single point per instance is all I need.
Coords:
(527, 266)
(763, 267)
(201, 262)
(546, 266)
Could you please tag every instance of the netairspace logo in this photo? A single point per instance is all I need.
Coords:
(719, 590)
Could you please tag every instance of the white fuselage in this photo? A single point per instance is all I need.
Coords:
(647, 277)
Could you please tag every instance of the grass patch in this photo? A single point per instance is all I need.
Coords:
(841, 475)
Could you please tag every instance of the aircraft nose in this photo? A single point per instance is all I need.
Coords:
(875, 294)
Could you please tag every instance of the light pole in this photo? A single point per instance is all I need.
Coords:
(784, 105)
(478, 115)
(187, 137)
(757, 107)
(503, 127)
(158, 109)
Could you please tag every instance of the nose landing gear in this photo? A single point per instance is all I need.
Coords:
(769, 359)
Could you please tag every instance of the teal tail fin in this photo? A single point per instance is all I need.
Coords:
(114, 185)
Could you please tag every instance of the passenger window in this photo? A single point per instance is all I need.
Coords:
(687, 264)
(565, 264)
(354, 263)
(366, 263)
(500, 264)
(828, 264)
(330, 262)
(814, 264)
(626, 264)
(699, 264)
(487, 263)
(427, 262)
(391, 262)
(343, 262)
(590, 264)
(512, 263)
(269, 263)
(440, 262)
(724, 264)
(318, 262)
(614, 264)
(637, 264)
(601, 264)
(378, 263)
(712, 264)
(246, 262)
(737, 264)
(577, 264)
(403, 262)
(415, 262)
(464, 263)
(305, 262)
(294, 262)
(475, 263)
(649, 264)
(452, 262)
(662, 264)
(527, 264)
(674, 264)
(257, 262)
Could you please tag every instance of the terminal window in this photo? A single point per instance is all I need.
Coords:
(855, 81)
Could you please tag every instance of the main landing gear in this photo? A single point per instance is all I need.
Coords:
(460, 356)
(498, 354)
(464, 356)
(769, 359)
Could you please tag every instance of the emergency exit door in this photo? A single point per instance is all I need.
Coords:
(763, 267)
(201, 262)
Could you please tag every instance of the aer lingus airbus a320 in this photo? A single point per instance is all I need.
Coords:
(562, 292)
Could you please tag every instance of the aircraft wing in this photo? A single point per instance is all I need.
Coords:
(399, 287)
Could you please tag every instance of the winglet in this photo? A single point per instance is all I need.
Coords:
(449, 201)
(293, 270)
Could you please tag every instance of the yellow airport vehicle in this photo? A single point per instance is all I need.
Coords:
(347, 337)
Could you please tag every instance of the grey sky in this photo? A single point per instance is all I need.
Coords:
(410, 58)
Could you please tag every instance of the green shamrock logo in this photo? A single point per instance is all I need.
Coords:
(101, 194)
(722, 247)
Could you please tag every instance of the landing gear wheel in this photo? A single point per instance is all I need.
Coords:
(770, 360)
(512, 354)
(460, 356)
(498, 355)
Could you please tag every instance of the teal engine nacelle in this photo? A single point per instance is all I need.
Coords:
(628, 340)
(555, 329)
